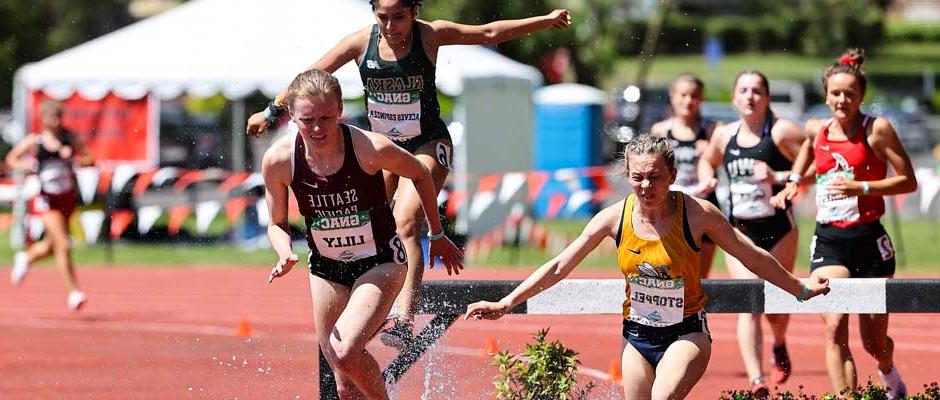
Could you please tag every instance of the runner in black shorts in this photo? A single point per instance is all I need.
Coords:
(396, 59)
(689, 134)
(756, 152)
(851, 152)
(356, 259)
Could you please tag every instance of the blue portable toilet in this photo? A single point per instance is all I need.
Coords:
(568, 133)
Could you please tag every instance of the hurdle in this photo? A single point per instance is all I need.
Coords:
(447, 300)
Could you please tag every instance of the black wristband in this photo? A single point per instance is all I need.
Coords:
(273, 112)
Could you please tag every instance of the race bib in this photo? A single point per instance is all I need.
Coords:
(344, 238)
(396, 114)
(56, 177)
(751, 200)
(831, 209)
(656, 301)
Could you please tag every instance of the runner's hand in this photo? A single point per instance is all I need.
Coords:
(257, 125)
(282, 267)
(486, 310)
(842, 188)
(561, 19)
(449, 254)
(66, 152)
(819, 287)
(706, 187)
(787, 194)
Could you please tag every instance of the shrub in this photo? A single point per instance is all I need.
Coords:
(870, 391)
(544, 371)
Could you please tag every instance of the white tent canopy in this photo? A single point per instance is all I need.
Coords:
(234, 47)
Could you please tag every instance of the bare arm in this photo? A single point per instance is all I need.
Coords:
(275, 169)
(14, 157)
(80, 154)
(711, 159)
(802, 165)
(603, 225)
(886, 145)
(448, 33)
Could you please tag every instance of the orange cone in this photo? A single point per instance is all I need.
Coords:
(243, 329)
(614, 374)
(490, 349)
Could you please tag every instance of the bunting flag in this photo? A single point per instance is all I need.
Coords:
(234, 208)
(577, 200)
(163, 175)
(264, 218)
(602, 188)
(178, 215)
(188, 178)
(206, 211)
(122, 174)
(254, 180)
(120, 220)
(104, 180)
(512, 182)
(555, 204)
(87, 179)
(929, 184)
(233, 180)
(146, 217)
(481, 201)
(454, 201)
(488, 183)
(143, 182)
(91, 221)
(537, 180)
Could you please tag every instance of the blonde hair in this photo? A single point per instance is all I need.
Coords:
(313, 83)
(50, 106)
(649, 144)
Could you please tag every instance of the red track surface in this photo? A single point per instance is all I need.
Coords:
(169, 334)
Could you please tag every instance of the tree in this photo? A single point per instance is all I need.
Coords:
(37, 29)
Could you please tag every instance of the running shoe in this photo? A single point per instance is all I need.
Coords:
(780, 367)
(77, 299)
(398, 336)
(759, 388)
(896, 389)
(20, 268)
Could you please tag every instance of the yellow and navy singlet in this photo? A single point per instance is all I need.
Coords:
(663, 278)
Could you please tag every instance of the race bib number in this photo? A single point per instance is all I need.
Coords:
(885, 248)
(344, 238)
(445, 155)
(655, 301)
(399, 256)
(830, 208)
(751, 200)
(396, 114)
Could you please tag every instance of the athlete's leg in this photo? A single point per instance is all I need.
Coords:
(364, 308)
(58, 233)
(780, 366)
(749, 327)
(409, 216)
(873, 328)
(706, 258)
(839, 360)
(682, 366)
(39, 249)
(638, 374)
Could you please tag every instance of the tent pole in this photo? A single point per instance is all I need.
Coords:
(238, 135)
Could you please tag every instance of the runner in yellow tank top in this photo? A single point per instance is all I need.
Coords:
(662, 274)
(666, 344)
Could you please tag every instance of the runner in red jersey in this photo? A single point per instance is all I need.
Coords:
(357, 262)
(851, 153)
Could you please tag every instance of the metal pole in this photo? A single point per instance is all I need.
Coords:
(238, 135)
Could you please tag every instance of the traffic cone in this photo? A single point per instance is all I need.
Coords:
(490, 349)
(243, 329)
(614, 374)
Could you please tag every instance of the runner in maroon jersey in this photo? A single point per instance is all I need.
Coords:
(852, 152)
(356, 260)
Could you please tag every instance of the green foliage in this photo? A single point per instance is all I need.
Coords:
(870, 391)
(35, 29)
(544, 371)
(902, 31)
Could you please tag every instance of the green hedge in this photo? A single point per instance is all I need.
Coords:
(900, 31)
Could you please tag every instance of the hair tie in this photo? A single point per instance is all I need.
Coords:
(848, 60)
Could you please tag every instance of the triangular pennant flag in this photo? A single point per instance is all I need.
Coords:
(143, 182)
(537, 180)
(252, 181)
(122, 174)
(488, 183)
(104, 181)
(178, 215)
(481, 201)
(87, 183)
(602, 188)
(146, 217)
(164, 174)
(512, 182)
(456, 199)
(555, 204)
(929, 184)
(577, 200)
(233, 180)
(188, 178)
(91, 224)
(120, 219)
(206, 212)
(234, 208)
(264, 218)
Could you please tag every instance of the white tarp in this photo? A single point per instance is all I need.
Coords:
(235, 47)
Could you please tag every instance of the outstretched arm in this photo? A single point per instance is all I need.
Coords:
(14, 158)
(447, 32)
(603, 225)
(275, 169)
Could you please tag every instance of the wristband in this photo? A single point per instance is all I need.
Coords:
(272, 112)
(865, 187)
(436, 236)
(802, 297)
(795, 178)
